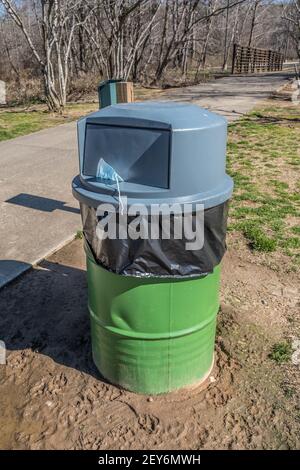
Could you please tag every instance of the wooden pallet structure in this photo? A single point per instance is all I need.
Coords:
(252, 60)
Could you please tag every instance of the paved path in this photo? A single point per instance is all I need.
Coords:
(231, 96)
(37, 211)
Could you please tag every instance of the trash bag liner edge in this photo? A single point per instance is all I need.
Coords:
(152, 258)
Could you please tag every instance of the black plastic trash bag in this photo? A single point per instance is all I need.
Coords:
(164, 258)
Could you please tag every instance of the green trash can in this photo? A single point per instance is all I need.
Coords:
(107, 92)
(152, 336)
(153, 304)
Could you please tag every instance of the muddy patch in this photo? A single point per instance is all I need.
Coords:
(52, 396)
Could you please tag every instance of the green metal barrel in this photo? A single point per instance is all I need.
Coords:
(152, 335)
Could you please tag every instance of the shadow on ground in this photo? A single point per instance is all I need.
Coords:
(8, 268)
(40, 203)
(46, 311)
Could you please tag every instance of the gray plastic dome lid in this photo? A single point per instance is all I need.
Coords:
(164, 114)
(163, 152)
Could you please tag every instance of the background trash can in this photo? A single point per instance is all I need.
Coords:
(107, 92)
(125, 92)
(152, 303)
(115, 91)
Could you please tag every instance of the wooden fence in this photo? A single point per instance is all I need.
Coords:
(250, 60)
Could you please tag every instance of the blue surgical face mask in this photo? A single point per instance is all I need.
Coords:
(107, 172)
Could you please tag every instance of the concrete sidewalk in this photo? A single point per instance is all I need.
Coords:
(37, 211)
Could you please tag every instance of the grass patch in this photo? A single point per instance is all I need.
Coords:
(262, 150)
(18, 122)
(79, 235)
(281, 352)
(258, 240)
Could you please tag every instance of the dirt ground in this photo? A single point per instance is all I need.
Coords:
(52, 396)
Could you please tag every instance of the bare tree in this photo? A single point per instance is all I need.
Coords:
(121, 34)
(252, 26)
(69, 43)
(57, 20)
(292, 15)
(204, 34)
